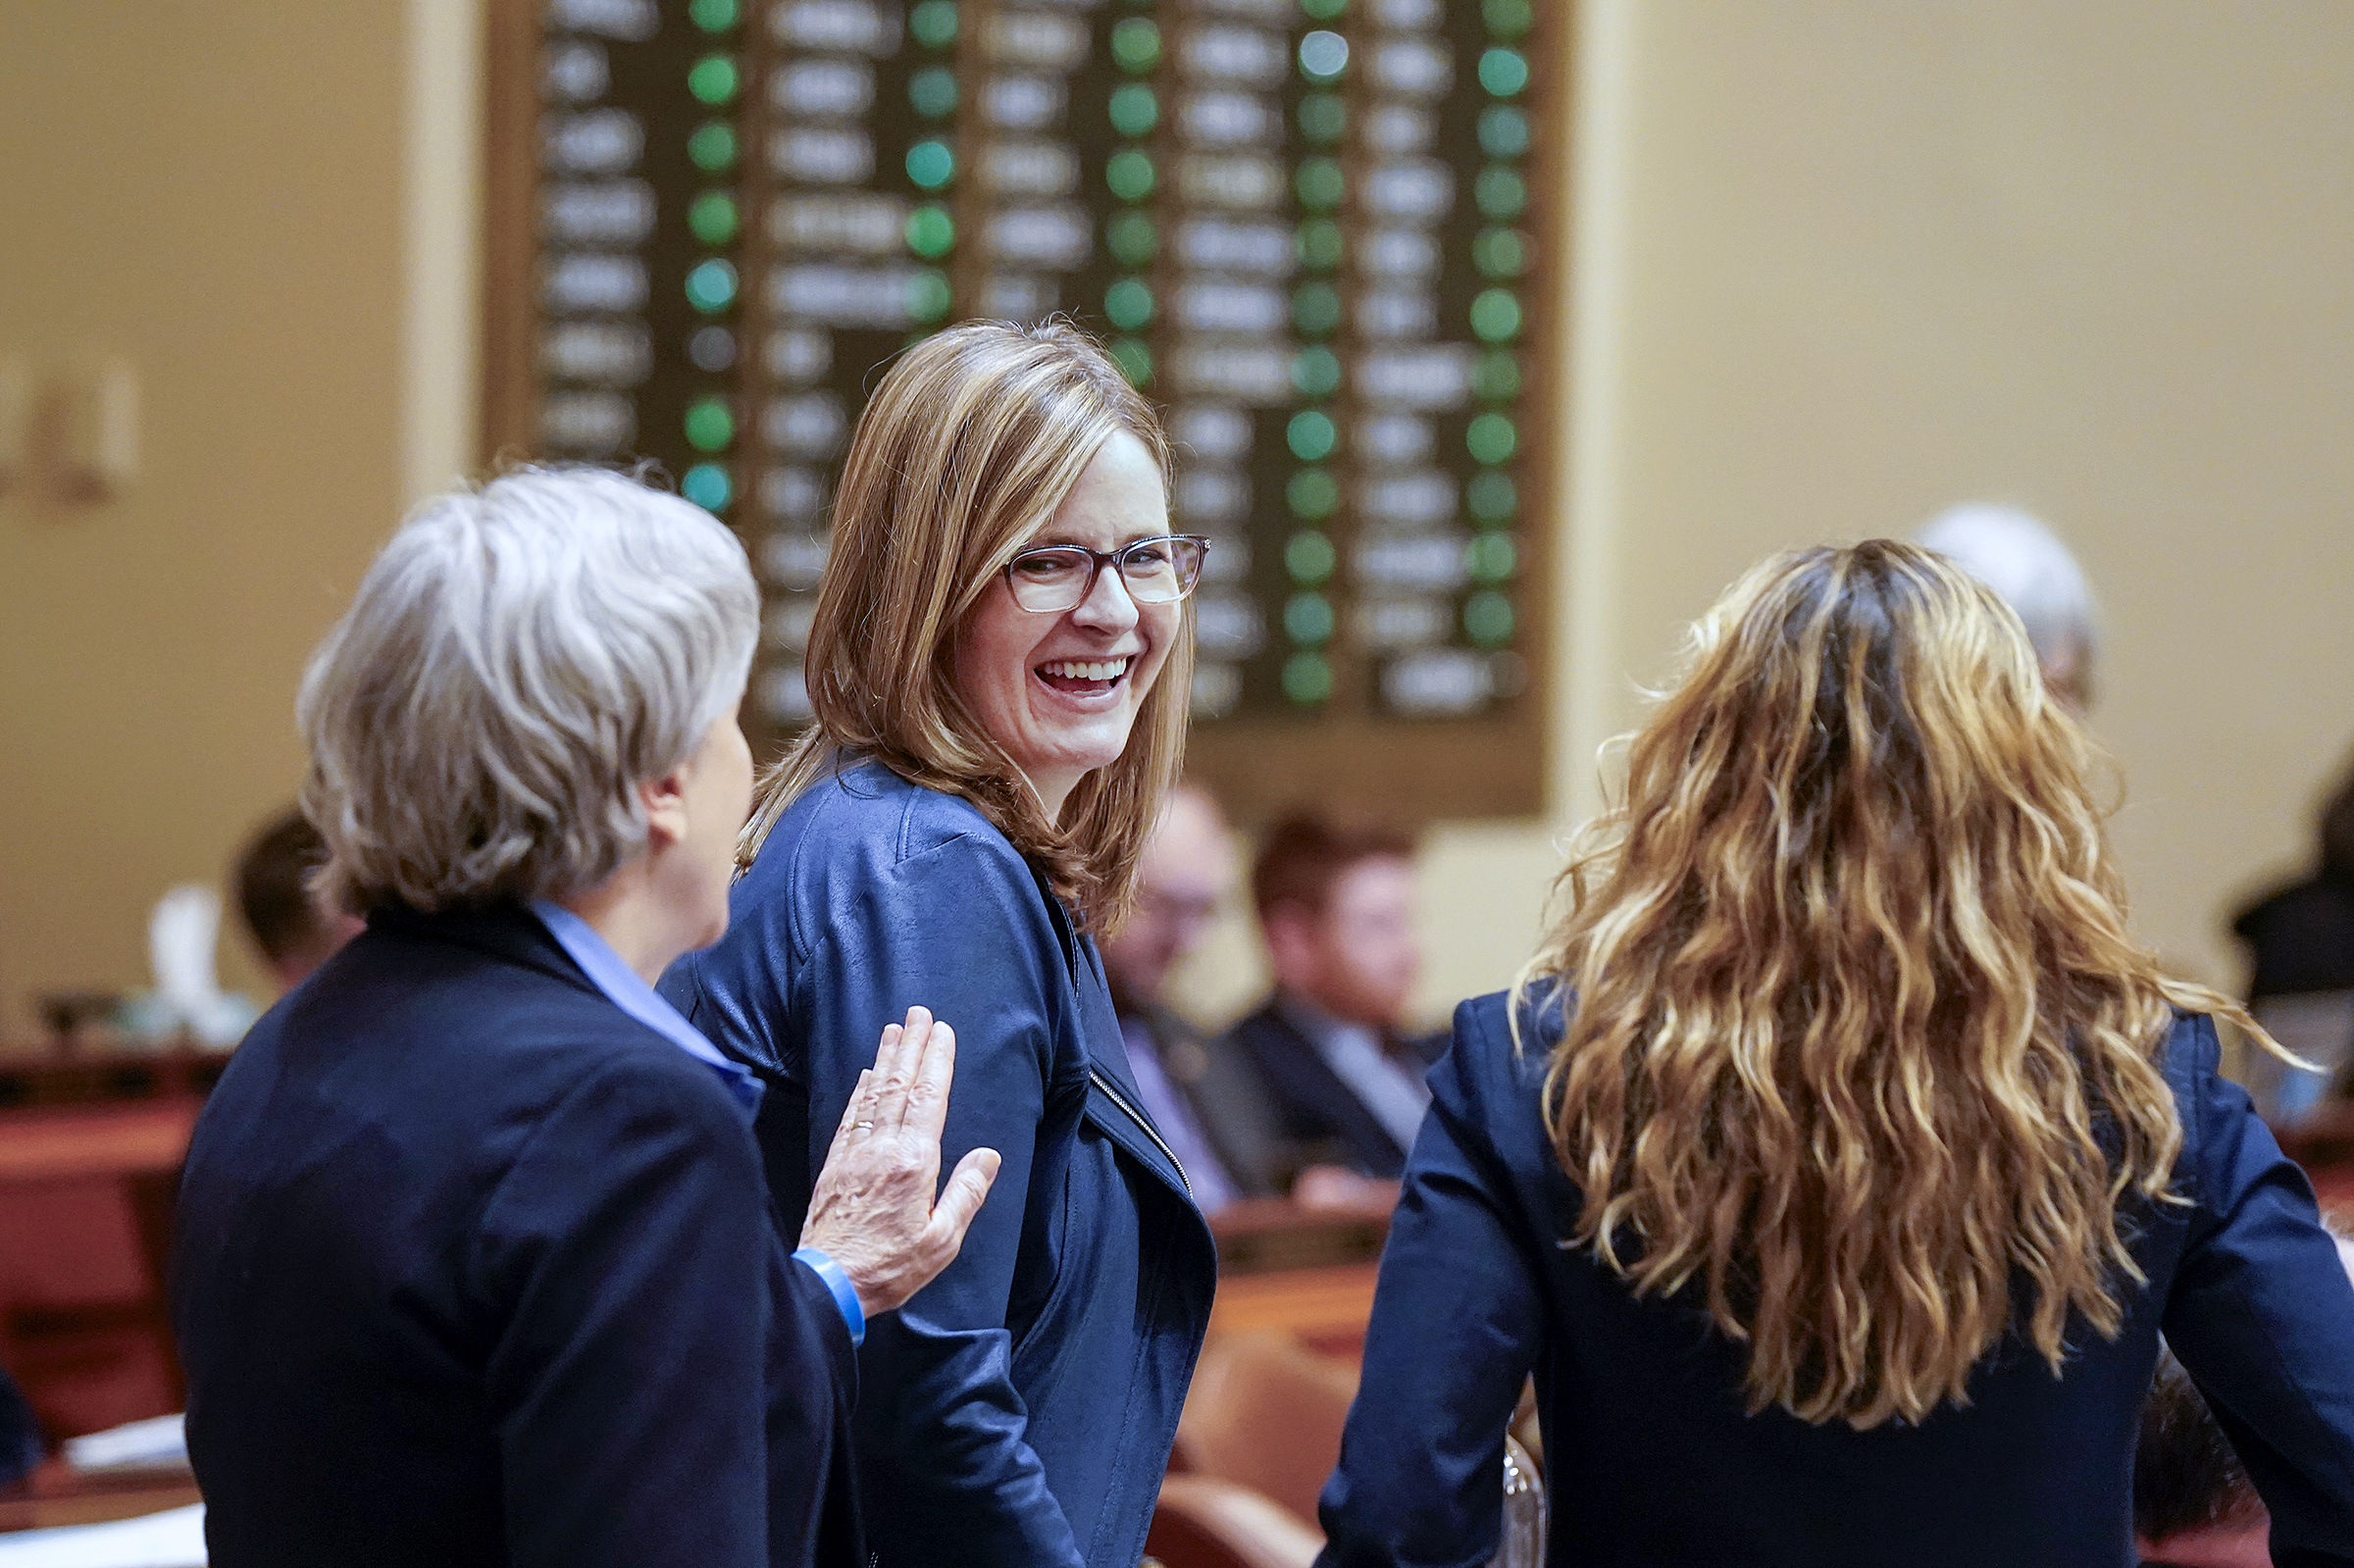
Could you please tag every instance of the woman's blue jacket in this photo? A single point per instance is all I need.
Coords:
(1018, 1413)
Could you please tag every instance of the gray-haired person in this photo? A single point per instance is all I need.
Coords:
(2025, 563)
(475, 1265)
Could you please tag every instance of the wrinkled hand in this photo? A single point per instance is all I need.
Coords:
(872, 1210)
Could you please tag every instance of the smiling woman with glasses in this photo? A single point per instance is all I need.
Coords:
(997, 718)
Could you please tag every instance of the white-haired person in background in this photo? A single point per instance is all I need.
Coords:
(475, 1265)
(2033, 572)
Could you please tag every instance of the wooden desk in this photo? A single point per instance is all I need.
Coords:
(86, 1198)
(141, 1138)
(37, 1076)
(1325, 1309)
(54, 1496)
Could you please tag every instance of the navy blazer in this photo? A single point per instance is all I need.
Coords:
(1324, 1121)
(473, 1267)
(1648, 1458)
(1019, 1411)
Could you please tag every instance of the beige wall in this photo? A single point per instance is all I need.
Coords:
(213, 191)
(1838, 263)
(1841, 263)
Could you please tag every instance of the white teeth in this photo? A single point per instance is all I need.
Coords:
(1086, 669)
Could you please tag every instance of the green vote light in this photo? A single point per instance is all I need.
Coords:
(1323, 57)
(1503, 132)
(715, 16)
(1135, 109)
(1500, 253)
(1128, 304)
(708, 485)
(1307, 679)
(1324, 9)
(1323, 118)
(1136, 45)
(1492, 497)
(1508, 19)
(932, 92)
(1488, 618)
(710, 426)
(1132, 238)
(1496, 376)
(711, 286)
(933, 23)
(1496, 315)
(1130, 175)
(1320, 243)
(1316, 308)
(1312, 494)
(712, 147)
(1308, 620)
(1309, 558)
(1311, 436)
(1316, 372)
(931, 231)
(928, 294)
(712, 217)
(931, 164)
(1134, 359)
(1492, 437)
(1504, 72)
(714, 80)
(1500, 193)
(1491, 558)
(1319, 183)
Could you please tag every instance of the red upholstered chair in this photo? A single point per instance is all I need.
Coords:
(1206, 1523)
(1265, 1414)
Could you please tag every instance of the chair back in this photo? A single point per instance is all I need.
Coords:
(1266, 1414)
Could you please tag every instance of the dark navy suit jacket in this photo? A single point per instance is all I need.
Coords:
(473, 1267)
(1018, 1413)
(1324, 1121)
(1648, 1458)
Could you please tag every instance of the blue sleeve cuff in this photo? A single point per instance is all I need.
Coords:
(838, 1280)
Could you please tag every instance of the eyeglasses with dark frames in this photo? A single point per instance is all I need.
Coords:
(1053, 578)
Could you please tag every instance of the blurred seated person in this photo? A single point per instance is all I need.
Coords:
(2193, 1504)
(2033, 572)
(1336, 908)
(293, 930)
(2301, 939)
(1204, 1093)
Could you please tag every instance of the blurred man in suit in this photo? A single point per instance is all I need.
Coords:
(1336, 906)
(1204, 1093)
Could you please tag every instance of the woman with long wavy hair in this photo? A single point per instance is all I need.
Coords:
(1841, 1155)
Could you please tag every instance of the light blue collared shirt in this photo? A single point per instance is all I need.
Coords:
(628, 990)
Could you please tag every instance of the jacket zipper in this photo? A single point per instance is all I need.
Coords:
(1112, 1093)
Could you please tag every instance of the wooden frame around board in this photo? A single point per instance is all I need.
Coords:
(1416, 771)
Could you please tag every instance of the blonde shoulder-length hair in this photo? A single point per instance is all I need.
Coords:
(967, 447)
(1860, 1040)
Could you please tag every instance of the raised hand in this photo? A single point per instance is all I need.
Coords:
(872, 1210)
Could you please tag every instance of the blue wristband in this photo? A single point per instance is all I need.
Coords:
(838, 1280)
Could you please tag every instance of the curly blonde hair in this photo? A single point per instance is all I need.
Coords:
(1861, 1043)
